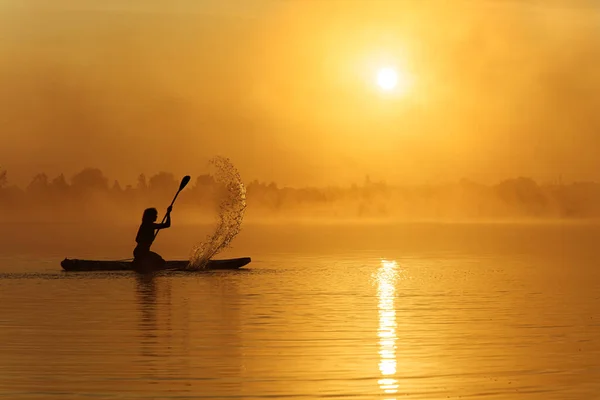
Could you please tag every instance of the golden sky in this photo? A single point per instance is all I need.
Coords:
(288, 90)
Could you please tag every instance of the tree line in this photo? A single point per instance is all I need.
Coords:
(90, 193)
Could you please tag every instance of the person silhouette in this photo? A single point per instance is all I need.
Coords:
(143, 258)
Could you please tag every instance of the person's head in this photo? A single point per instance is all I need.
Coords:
(150, 215)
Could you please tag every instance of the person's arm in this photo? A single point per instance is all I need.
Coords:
(167, 222)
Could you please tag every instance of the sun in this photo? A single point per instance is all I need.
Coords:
(387, 78)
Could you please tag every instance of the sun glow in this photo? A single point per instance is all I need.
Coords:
(392, 80)
(387, 78)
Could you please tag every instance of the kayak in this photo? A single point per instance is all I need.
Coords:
(176, 265)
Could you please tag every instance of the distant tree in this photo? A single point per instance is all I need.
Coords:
(523, 194)
(89, 179)
(116, 188)
(203, 189)
(254, 186)
(39, 185)
(205, 180)
(142, 184)
(163, 182)
(59, 185)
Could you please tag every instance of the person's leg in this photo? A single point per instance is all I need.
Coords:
(142, 259)
(141, 250)
(156, 260)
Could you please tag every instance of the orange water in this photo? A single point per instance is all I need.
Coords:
(379, 312)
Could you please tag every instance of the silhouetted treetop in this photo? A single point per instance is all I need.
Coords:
(163, 182)
(39, 184)
(142, 184)
(90, 179)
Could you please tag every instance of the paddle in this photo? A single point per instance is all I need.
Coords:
(182, 185)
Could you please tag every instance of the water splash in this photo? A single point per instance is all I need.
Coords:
(232, 206)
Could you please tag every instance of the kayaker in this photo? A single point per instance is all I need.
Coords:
(145, 237)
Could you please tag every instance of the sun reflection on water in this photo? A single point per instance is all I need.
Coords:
(386, 292)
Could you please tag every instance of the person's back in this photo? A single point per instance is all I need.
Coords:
(145, 238)
(145, 235)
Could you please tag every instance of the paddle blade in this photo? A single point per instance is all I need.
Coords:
(184, 182)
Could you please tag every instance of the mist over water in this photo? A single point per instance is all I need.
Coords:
(232, 207)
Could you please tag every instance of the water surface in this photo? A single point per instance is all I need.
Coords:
(390, 312)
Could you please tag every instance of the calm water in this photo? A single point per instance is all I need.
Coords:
(390, 312)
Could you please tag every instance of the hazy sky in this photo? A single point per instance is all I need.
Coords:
(287, 89)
